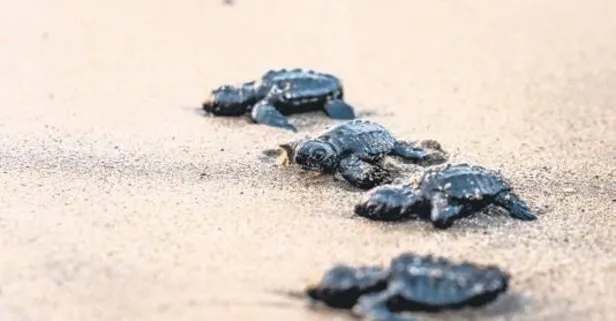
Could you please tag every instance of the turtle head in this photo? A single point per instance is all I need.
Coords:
(229, 100)
(315, 155)
(392, 202)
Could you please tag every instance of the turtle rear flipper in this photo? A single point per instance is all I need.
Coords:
(338, 109)
(516, 207)
(265, 113)
(362, 174)
(424, 153)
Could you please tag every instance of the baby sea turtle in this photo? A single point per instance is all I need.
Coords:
(353, 151)
(278, 94)
(412, 283)
(442, 195)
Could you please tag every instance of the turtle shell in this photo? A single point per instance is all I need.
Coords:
(366, 139)
(429, 283)
(463, 181)
(301, 89)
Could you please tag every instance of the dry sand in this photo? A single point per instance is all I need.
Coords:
(105, 213)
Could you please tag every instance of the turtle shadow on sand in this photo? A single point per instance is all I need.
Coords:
(483, 221)
(507, 305)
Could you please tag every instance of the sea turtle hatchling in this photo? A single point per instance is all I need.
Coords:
(412, 283)
(442, 195)
(278, 94)
(353, 151)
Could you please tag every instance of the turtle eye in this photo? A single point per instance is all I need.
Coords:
(318, 154)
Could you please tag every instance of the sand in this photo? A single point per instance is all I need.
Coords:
(121, 202)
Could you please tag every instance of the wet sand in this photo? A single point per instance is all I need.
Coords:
(120, 202)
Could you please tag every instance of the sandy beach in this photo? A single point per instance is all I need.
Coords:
(119, 201)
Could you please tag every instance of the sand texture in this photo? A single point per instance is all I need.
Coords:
(119, 201)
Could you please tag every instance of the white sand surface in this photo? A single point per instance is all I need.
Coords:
(119, 202)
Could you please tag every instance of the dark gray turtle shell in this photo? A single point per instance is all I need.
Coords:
(364, 138)
(430, 283)
(463, 181)
(301, 89)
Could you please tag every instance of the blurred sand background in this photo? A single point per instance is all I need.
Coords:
(120, 202)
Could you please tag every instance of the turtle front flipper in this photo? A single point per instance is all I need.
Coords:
(265, 113)
(374, 307)
(362, 174)
(338, 109)
(425, 152)
(443, 213)
(516, 207)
